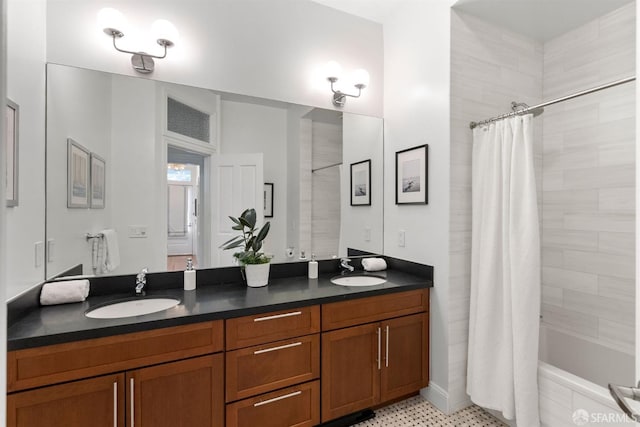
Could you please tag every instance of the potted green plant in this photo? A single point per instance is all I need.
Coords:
(254, 263)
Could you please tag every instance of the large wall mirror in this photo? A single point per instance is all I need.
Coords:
(142, 173)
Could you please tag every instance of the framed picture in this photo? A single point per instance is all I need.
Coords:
(77, 175)
(361, 183)
(97, 181)
(268, 200)
(411, 176)
(11, 129)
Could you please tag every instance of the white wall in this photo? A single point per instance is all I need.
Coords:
(416, 111)
(361, 140)
(135, 150)
(273, 49)
(26, 86)
(79, 108)
(251, 128)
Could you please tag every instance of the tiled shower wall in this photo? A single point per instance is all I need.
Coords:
(586, 192)
(490, 67)
(320, 147)
(588, 238)
(325, 213)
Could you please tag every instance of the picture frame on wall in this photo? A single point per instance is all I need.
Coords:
(78, 170)
(12, 126)
(411, 176)
(98, 182)
(361, 183)
(268, 200)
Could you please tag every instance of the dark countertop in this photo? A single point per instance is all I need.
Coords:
(65, 323)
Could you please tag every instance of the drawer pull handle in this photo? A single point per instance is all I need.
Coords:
(280, 347)
(379, 334)
(277, 316)
(115, 404)
(386, 358)
(131, 398)
(275, 399)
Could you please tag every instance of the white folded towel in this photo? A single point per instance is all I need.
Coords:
(374, 264)
(111, 250)
(64, 291)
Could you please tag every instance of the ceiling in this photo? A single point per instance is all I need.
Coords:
(540, 19)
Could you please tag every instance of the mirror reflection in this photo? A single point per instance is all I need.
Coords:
(142, 173)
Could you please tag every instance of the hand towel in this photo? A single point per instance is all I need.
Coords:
(374, 264)
(64, 292)
(111, 250)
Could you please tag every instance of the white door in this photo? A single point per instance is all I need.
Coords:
(181, 219)
(238, 184)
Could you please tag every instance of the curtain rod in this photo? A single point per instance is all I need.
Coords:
(553, 101)
(325, 167)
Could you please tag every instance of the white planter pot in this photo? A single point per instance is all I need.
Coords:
(257, 274)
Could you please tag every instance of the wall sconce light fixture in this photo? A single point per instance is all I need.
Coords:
(360, 78)
(111, 21)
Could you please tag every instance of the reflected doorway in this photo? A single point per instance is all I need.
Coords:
(185, 198)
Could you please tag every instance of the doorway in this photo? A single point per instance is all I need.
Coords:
(185, 197)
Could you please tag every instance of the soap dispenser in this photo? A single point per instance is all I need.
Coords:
(189, 276)
(313, 267)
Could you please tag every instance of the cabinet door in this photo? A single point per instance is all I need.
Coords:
(350, 370)
(96, 402)
(188, 393)
(405, 356)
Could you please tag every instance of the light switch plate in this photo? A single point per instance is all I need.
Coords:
(401, 238)
(39, 254)
(137, 231)
(50, 250)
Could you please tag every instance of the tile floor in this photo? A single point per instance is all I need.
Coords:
(416, 411)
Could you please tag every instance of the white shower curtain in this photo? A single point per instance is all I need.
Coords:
(505, 272)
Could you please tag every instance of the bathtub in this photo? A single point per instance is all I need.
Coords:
(572, 378)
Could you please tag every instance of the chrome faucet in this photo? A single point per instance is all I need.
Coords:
(344, 263)
(141, 281)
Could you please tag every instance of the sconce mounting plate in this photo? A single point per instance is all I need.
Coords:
(142, 63)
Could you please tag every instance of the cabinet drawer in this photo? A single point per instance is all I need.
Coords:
(372, 309)
(52, 364)
(278, 325)
(294, 406)
(259, 369)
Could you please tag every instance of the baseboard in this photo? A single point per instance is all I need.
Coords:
(464, 402)
(437, 396)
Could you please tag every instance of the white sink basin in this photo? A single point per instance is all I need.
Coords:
(132, 307)
(358, 280)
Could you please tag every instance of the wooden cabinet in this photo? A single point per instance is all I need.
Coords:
(373, 363)
(272, 369)
(96, 402)
(277, 369)
(178, 391)
(187, 393)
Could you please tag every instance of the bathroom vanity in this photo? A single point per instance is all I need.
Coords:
(298, 352)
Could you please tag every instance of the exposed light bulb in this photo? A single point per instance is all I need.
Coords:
(360, 78)
(165, 32)
(111, 20)
(333, 70)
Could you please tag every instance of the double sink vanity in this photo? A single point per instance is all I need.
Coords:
(298, 352)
